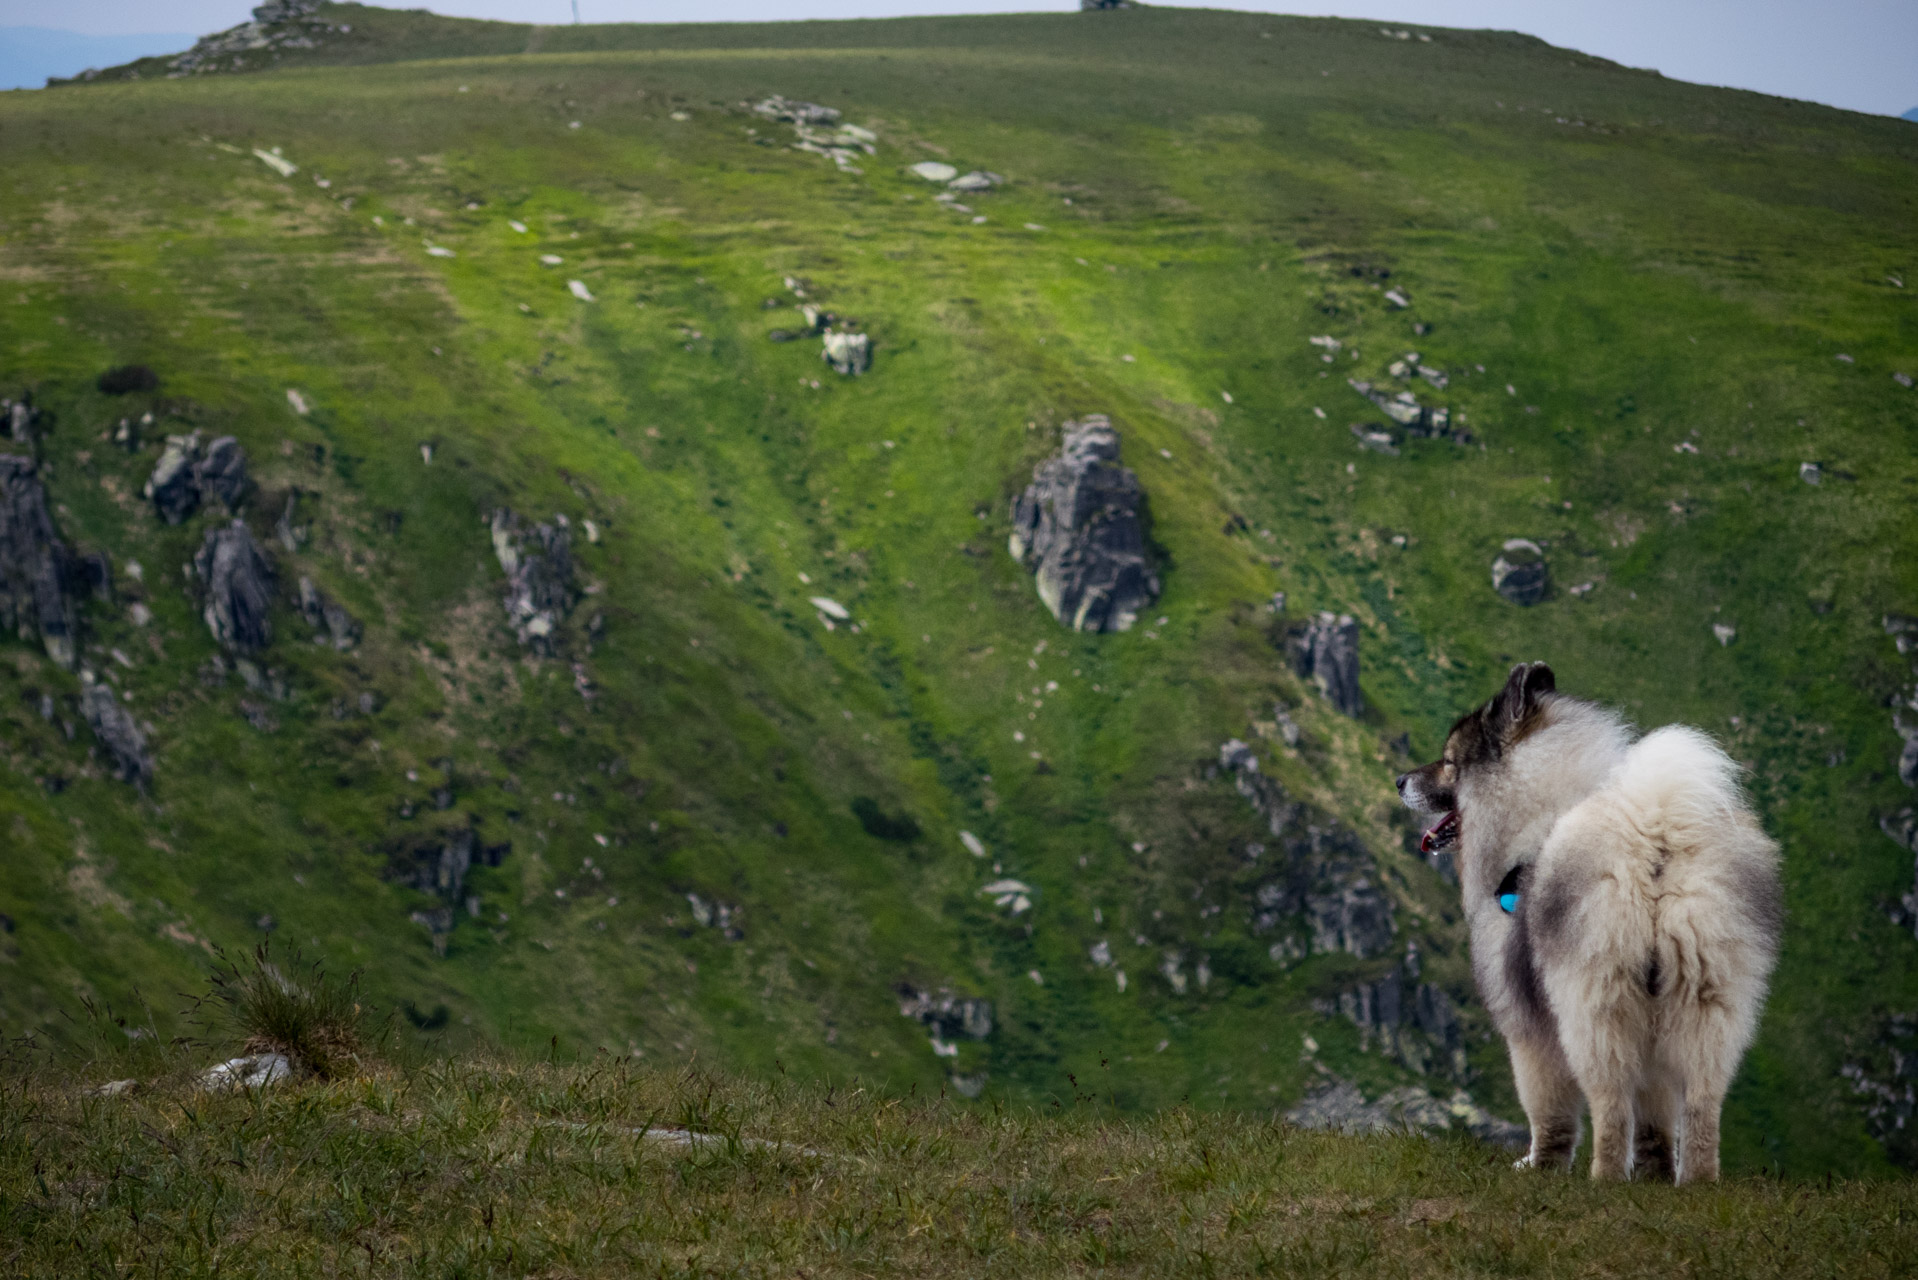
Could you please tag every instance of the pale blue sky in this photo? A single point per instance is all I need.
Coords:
(1859, 54)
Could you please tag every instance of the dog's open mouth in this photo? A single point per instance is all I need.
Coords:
(1442, 835)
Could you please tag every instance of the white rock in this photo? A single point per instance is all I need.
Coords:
(1325, 340)
(977, 180)
(252, 1072)
(516, 225)
(114, 1088)
(934, 171)
(1397, 299)
(1810, 472)
(551, 259)
(1101, 953)
(579, 290)
(277, 162)
(830, 607)
(1724, 633)
(297, 400)
(974, 845)
(440, 251)
(1226, 396)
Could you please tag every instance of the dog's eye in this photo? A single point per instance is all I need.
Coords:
(1508, 891)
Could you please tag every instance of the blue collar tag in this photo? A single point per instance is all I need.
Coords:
(1508, 902)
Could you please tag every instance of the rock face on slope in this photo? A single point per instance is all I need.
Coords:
(117, 731)
(239, 588)
(946, 1016)
(36, 570)
(847, 353)
(1079, 525)
(330, 621)
(1325, 878)
(187, 474)
(1327, 653)
(19, 419)
(1520, 574)
(1407, 1018)
(540, 591)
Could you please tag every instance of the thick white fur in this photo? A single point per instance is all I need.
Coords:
(1652, 921)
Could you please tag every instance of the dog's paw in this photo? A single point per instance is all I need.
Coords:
(1525, 1161)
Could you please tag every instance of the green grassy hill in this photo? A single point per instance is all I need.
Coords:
(1652, 303)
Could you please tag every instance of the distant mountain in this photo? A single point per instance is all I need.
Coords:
(1910, 115)
(28, 55)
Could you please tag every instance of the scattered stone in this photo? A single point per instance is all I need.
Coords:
(1902, 827)
(1726, 634)
(1012, 895)
(328, 618)
(298, 402)
(1885, 1077)
(254, 1071)
(1236, 755)
(539, 578)
(239, 581)
(934, 171)
(579, 290)
(1397, 299)
(1327, 653)
(117, 731)
(1902, 379)
(847, 353)
(36, 570)
(1810, 472)
(974, 845)
(21, 419)
(1340, 1105)
(1520, 573)
(127, 379)
(716, 915)
(977, 180)
(1375, 438)
(830, 607)
(116, 1088)
(778, 108)
(1080, 526)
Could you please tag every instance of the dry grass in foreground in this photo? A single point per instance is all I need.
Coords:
(496, 1168)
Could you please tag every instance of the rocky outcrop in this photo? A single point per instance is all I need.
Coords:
(1902, 827)
(540, 591)
(1884, 1076)
(947, 1017)
(1520, 573)
(117, 732)
(1080, 526)
(1904, 632)
(239, 588)
(330, 621)
(1327, 653)
(276, 25)
(1406, 1018)
(847, 353)
(1409, 417)
(439, 865)
(1341, 1106)
(1325, 882)
(186, 474)
(36, 569)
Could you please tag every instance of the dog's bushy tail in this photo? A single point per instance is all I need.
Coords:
(1683, 783)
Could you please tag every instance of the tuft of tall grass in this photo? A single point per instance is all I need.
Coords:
(295, 1010)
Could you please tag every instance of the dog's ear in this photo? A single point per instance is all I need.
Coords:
(1511, 714)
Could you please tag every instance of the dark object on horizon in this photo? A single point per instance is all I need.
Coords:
(881, 824)
(129, 378)
(1093, 6)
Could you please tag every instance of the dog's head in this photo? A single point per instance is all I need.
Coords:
(1479, 740)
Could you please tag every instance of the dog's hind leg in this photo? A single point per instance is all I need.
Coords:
(1654, 1152)
(1549, 1093)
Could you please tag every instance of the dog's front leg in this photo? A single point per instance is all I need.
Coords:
(1551, 1098)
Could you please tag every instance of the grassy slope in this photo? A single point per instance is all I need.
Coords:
(1684, 264)
(487, 1168)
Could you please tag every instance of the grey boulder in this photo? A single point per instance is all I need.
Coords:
(174, 486)
(222, 472)
(1520, 573)
(239, 588)
(1079, 525)
(117, 731)
(847, 353)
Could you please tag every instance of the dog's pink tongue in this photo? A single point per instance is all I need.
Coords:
(1443, 832)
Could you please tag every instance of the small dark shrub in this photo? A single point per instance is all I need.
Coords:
(878, 822)
(128, 378)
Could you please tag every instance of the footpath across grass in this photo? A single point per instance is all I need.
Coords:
(495, 1167)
